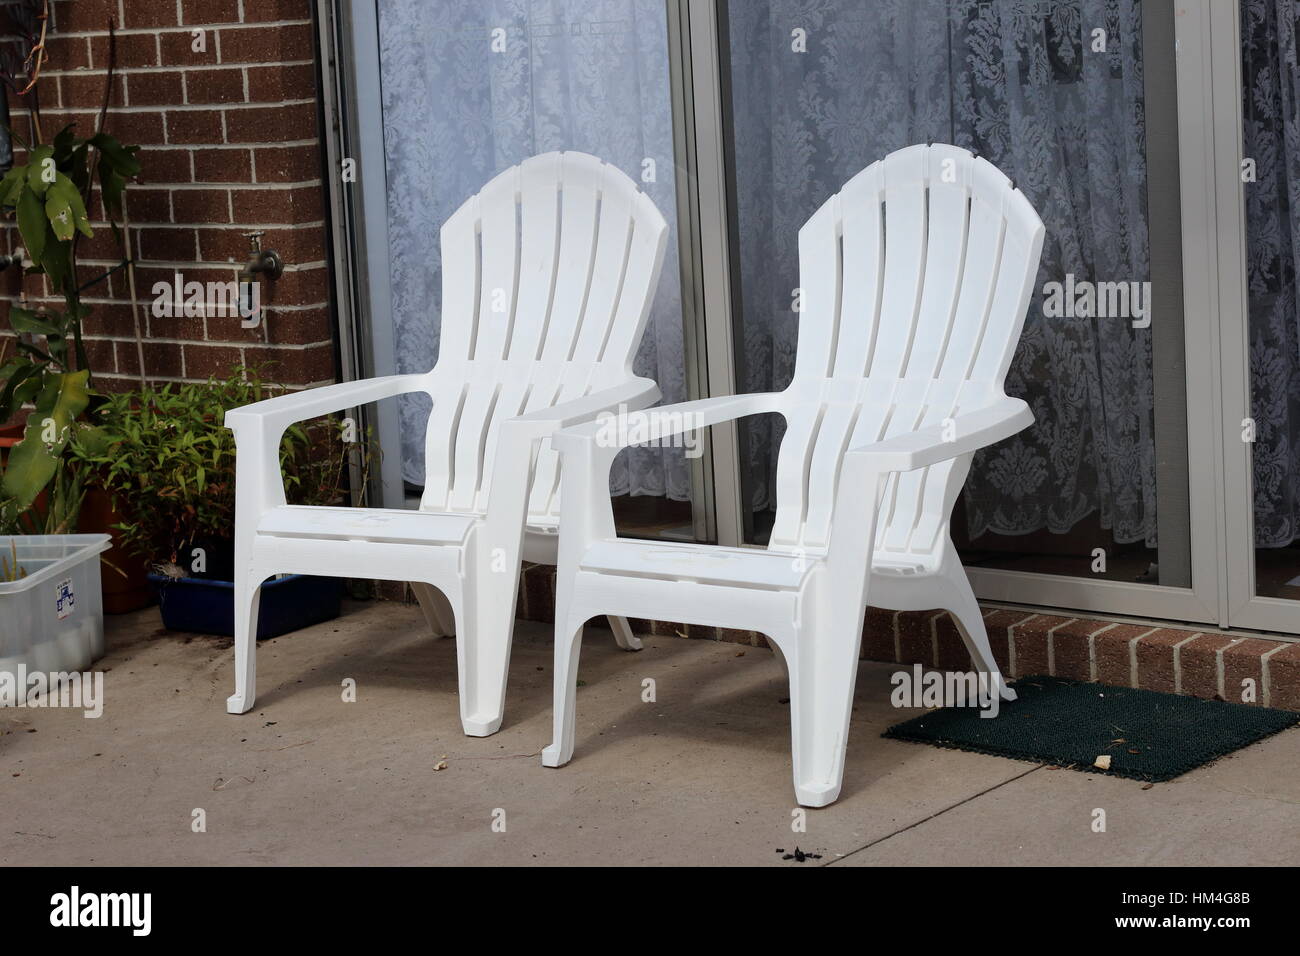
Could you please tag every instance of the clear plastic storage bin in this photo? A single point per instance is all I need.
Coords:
(52, 619)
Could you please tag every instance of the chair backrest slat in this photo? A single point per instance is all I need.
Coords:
(547, 278)
(914, 279)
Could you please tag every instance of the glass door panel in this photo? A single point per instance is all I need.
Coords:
(471, 87)
(1270, 173)
(1053, 93)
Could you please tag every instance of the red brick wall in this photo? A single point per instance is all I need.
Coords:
(229, 144)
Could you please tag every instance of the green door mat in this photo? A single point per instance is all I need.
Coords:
(1146, 735)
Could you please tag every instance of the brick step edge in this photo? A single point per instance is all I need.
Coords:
(1247, 669)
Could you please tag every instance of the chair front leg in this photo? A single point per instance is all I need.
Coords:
(248, 597)
(258, 487)
(484, 630)
(822, 656)
(823, 669)
(568, 646)
(585, 516)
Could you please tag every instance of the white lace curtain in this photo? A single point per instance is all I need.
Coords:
(472, 87)
(1271, 111)
(1011, 80)
(1016, 80)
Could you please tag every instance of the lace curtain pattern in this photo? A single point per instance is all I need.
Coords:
(590, 75)
(1271, 114)
(1015, 80)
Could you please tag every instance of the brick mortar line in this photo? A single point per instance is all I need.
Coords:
(1218, 667)
(317, 224)
(1092, 649)
(133, 377)
(182, 108)
(1265, 677)
(271, 307)
(1051, 645)
(232, 186)
(1133, 656)
(1178, 661)
(88, 71)
(1011, 640)
(225, 343)
(46, 301)
(180, 28)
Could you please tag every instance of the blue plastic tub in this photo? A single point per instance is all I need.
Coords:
(205, 606)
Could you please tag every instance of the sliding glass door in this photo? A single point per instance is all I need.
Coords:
(1161, 357)
(1076, 100)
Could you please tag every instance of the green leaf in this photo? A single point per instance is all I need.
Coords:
(121, 158)
(32, 224)
(64, 209)
(78, 171)
(64, 142)
(27, 391)
(20, 374)
(55, 257)
(25, 320)
(112, 183)
(38, 170)
(12, 185)
(32, 462)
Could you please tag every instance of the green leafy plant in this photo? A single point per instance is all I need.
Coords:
(169, 461)
(50, 368)
(49, 196)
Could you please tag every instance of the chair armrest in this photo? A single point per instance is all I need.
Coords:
(665, 421)
(278, 413)
(628, 396)
(259, 485)
(967, 432)
(862, 475)
(513, 466)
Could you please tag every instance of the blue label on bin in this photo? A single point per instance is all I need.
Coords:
(64, 600)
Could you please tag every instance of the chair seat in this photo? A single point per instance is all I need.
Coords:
(740, 567)
(367, 524)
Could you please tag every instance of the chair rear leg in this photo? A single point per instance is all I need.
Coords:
(623, 635)
(436, 609)
(822, 662)
(248, 597)
(966, 613)
(568, 645)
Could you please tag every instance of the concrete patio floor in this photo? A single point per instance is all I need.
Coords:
(701, 776)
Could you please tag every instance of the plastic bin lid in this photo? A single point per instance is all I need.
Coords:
(63, 551)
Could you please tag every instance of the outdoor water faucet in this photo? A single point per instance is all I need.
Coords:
(266, 262)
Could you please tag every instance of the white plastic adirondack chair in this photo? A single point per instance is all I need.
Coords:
(548, 276)
(915, 281)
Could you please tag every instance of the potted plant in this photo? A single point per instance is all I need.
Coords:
(169, 463)
(46, 382)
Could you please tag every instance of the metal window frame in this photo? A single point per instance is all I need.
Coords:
(1245, 608)
(348, 34)
(1204, 600)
